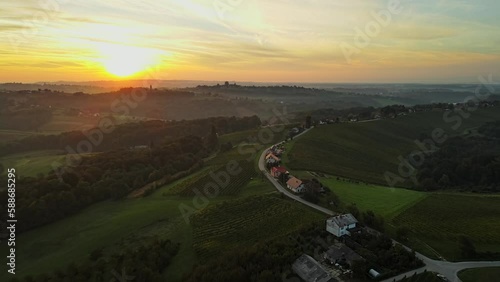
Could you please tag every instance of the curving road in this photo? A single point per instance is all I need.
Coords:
(284, 190)
(448, 269)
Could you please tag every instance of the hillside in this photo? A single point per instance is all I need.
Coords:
(367, 150)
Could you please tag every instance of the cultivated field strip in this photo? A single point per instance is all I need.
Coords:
(246, 221)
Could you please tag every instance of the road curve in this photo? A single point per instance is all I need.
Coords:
(285, 191)
(448, 269)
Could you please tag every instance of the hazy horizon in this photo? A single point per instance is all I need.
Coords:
(377, 41)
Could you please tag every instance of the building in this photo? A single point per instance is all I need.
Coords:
(277, 171)
(341, 225)
(341, 254)
(310, 270)
(272, 158)
(295, 185)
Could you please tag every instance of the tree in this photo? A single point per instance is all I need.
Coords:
(310, 196)
(212, 140)
(444, 181)
(308, 121)
(359, 268)
(353, 209)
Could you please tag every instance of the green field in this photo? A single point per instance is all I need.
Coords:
(109, 224)
(247, 221)
(366, 150)
(34, 162)
(233, 187)
(11, 135)
(113, 224)
(480, 274)
(434, 219)
(384, 201)
(278, 134)
(440, 218)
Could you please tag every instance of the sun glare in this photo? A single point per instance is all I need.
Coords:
(124, 61)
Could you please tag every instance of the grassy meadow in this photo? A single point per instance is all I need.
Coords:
(30, 164)
(384, 201)
(441, 217)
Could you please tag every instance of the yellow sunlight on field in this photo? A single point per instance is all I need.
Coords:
(125, 61)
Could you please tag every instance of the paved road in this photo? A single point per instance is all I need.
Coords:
(448, 269)
(285, 191)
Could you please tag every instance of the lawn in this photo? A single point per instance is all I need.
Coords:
(480, 274)
(34, 162)
(366, 150)
(440, 218)
(384, 201)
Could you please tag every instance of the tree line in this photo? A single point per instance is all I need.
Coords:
(145, 263)
(108, 175)
(468, 163)
(132, 134)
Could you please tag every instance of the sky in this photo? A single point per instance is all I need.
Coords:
(438, 41)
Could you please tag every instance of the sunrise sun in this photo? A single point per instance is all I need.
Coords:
(125, 61)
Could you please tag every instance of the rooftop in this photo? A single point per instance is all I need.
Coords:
(341, 251)
(279, 169)
(294, 182)
(310, 270)
(343, 219)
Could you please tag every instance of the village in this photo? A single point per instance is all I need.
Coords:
(344, 249)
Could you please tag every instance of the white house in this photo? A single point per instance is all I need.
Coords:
(341, 224)
(295, 185)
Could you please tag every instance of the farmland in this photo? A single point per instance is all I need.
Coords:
(232, 187)
(247, 221)
(360, 150)
(113, 224)
(11, 135)
(480, 274)
(440, 218)
(434, 219)
(30, 164)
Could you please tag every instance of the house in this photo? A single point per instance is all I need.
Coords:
(272, 157)
(277, 171)
(271, 161)
(341, 254)
(295, 185)
(341, 225)
(310, 270)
